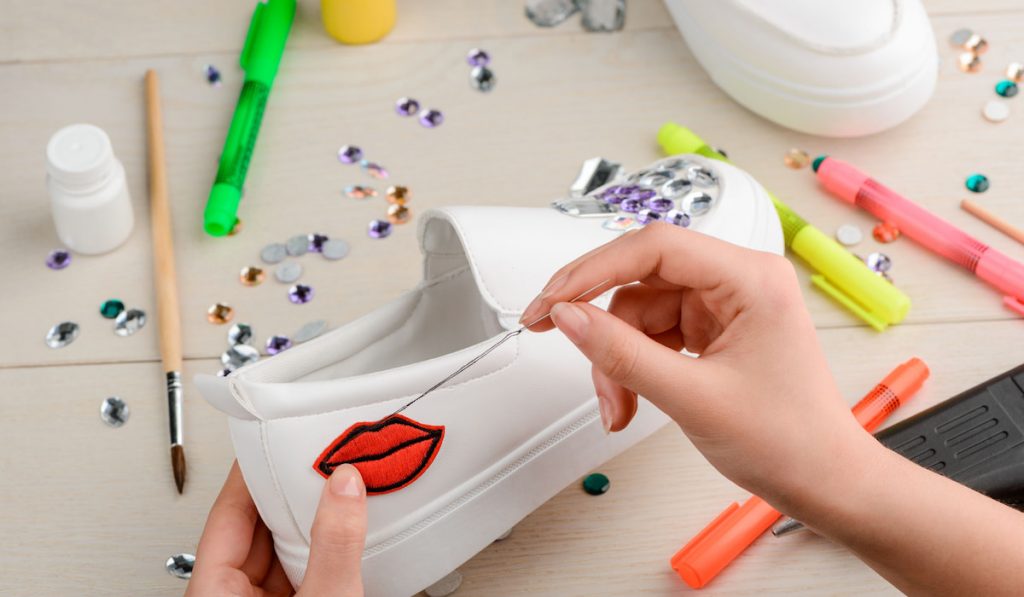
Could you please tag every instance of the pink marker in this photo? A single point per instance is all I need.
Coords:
(852, 185)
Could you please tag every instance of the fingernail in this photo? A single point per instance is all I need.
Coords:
(345, 481)
(571, 320)
(553, 287)
(607, 410)
(530, 313)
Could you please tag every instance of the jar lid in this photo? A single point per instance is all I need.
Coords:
(79, 154)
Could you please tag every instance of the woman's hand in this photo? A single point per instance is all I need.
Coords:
(236, 552)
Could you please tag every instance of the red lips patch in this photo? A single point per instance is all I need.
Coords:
(389, 454)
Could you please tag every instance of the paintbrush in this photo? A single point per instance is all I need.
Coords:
(168, 316)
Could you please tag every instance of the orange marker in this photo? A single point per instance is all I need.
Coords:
(736, 528)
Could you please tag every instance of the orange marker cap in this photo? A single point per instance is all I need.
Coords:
(897, 387)
(720, 542)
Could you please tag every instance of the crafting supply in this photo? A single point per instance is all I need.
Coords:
(879, 263)
(841, 275)
(111, 308)
(849, 235)
(992, 220)
(885, 232)
(1015, 72)
(977, 183)
(240, 333)
(114, 411)
(406, 106)
(797, 159)
(238, 356)
(219, 313)
(596, 484)
(595, 173)
(181, 565)
(62, 334)
(58, 259)
(356, 191)
(995, 111)
(736, 528)
(602, 15)
(261, 56)
(212, 75)
(316, 242)
(399, 214)
(482, 78)
(310, 330)
(297, 245)
(446, 586)
(92, 210)
(358, 21)
(851, 185)
(300, 294)
(398, 194)
(431, 118)
(1007, 88)
(548, 13)
(164, 277)
(969, 62)
(251, 276)
(274, 253)
(350, 154)
(379, 229)
(335, 249)
(478, 57)
(288, 272)
(276, 344)
(374, 169)
(959, 37)
(129, 321)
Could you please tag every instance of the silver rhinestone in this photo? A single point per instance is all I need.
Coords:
(959, 38)
(240, 333)
(114, 411)
(288, 272)
(274, 253)
(335, 249)
(482, 78)
(548, 13)
(697, 203)
(702, 177)
(672, 164)
(62, 334)
(129, 322)
(656, 178)
(309, 331)
(849, 235)
(594, 174)
(675, 189)
(239, 356)
(181, 565)
(446, 586)
(603, 15)
(297, 245)
(879, 262)
(584, 208)
(636, 176)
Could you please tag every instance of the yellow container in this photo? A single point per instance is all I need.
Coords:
(358, 21)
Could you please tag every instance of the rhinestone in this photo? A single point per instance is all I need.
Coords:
(288, 272)
(1007, 88)
(431, 118)
(379, 229)
(478, 57)
(58, 259)
(356, 191)
(349, 154)
(316, 242)
(504, 535)
(596, 484)
(224, 372)
(797, 159)
(446, 586)
(62, 334)
(1015, 72)
(310, 330)
(977, 183)
(849, 235)
(300, 294)
(660, 204)
(885, 232)
(995, 111)
(959, 37)
(274, 253)
(297, 245)
(374, 169)
(236, 227)
(619, 223)
(114, 411)
(642, 194)
(594, 173)
(673, 164)
(398, 194)
(879, 262)
(678, 218)
(976, 44)
(251, 276)
(482, 79)
(219, 313)
(240, 333)
(406, 106)
(130, 321)
(212, 75)
(613, 194)
(276, 344)
(399, 214)
(675, 189)
(239, 356)
(969, 63)
(636, 176)
(656, 178)
(646, 216)
(697, 204)
(548, 13)
(630, 205)
(603, 15)
(111, 308)
(584, 207)
(181, 565)
(335, 249)
(701, 176)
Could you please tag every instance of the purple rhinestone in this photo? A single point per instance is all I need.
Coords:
(613, 195)
(379, 229)
(406, 106)
(678, 218)
(646, 216)
(431, 118)
(212, 75)
(660, 204)
(316, 242)
(478, 57)
(58, 259)
(630, 205)
(349, 154)
(642, 194)
(300, 293)
(276, 344)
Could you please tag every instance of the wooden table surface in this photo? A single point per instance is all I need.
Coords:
(87, 509)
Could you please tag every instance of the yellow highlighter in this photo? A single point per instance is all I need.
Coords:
(839, 274)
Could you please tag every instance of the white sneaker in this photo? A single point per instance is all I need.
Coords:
(469, 461)
(837, 68)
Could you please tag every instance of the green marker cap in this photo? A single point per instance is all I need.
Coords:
(221, 209)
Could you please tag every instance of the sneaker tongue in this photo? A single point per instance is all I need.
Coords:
(840, 25)
(512, 251)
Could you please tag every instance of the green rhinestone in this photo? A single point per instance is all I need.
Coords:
(1006, 88)
(596, 484)
(977, 183)
(111, 308)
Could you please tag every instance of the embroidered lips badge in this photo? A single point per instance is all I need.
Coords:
(389, 454)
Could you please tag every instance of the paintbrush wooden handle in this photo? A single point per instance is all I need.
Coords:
(168, 316)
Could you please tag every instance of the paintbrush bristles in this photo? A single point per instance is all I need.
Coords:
(178, 464)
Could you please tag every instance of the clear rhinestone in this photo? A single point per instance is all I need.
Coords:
(298, 245)
(879, 262)
(584, 208)
(446, 586)
(114, 411)
(678, 218)
(240, 333)
(675, 189)
(239, 356)
(482, 78)
(657, 178)
(548, 13)
(288, 272)
(603, 15)
(274, 253)
(335, 249)
(697, 203)
(619, 223)
(310, 330)
(672, 164)
(62, 334)
(130, 321)
(636, 176)
(181, 565)
(594, 174)
(702, 177)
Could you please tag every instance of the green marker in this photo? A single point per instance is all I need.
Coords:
(261, 55)
(840, 274)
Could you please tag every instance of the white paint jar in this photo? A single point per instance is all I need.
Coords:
(88, 192)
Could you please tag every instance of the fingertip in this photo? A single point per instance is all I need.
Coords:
(346, 481)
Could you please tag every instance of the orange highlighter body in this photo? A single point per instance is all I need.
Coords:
(736, 528)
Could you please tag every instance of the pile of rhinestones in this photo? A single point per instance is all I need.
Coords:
(598, 15)
(972, 46)
(397, 196)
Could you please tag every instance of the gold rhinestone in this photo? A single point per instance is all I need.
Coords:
(252, 276)
(1015, 72)
(219, 313)
(976, 45)
(969, 63)
(797, 158)
(398, 195)
(236, 228)
(398, 214)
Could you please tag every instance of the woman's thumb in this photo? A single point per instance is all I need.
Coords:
(338, 537)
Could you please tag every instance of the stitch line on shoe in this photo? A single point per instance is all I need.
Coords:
(272, 470)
